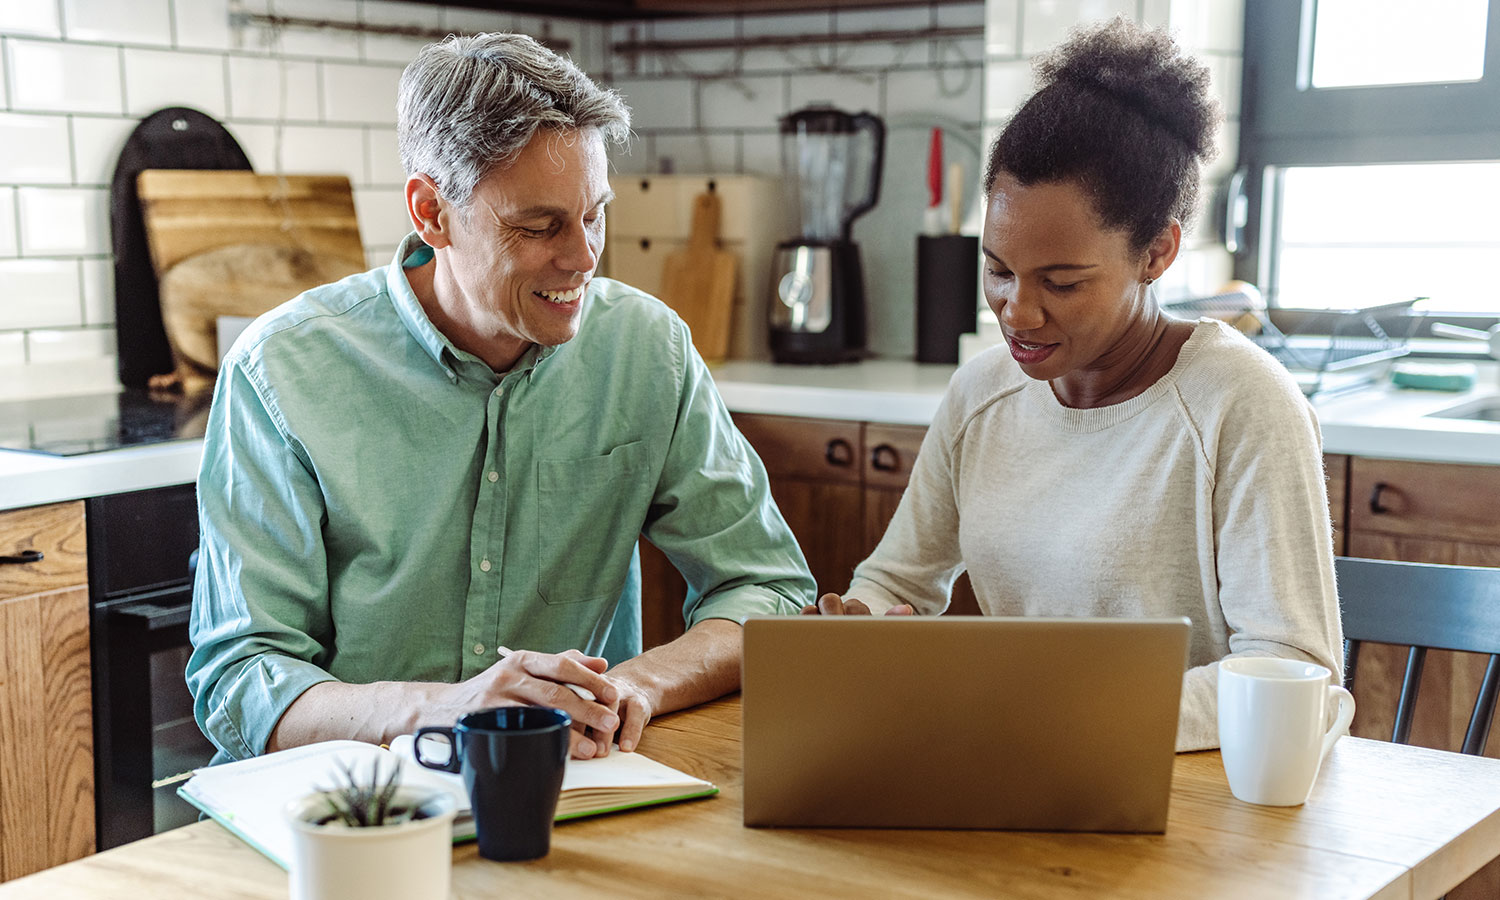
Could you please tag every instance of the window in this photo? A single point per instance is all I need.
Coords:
(1370, 153)
(1359, 43)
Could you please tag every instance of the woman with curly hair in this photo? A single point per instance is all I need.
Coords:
(1111, 460)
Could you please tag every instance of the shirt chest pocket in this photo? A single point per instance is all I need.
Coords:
(589, 515)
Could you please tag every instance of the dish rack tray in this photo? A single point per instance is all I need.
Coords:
(1354, 338)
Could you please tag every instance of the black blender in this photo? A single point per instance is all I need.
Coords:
(832, 161)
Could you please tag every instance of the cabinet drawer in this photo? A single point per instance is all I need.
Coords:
(890, 451)
(57, 531)
(827, 450)
(1417, 499)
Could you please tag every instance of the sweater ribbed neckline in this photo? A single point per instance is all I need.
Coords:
(1101, 417)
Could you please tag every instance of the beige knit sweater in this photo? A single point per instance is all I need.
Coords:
(1201, 497)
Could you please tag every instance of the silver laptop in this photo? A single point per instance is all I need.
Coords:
(961, 722)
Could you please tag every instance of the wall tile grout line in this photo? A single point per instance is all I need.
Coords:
(83, 304)
(124, 91)
(208, 51)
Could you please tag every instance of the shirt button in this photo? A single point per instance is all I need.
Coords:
(484, 565)
(494, 477)
(500, 391)
(479, 649)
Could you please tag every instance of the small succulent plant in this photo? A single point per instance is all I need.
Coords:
(366, 804)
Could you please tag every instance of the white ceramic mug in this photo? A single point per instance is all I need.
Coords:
(1271, 726)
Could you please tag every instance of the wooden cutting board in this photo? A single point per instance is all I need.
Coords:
(188, 211)
(235, 280)
(699, 280)
(233, 243)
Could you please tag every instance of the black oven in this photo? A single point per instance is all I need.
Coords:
(140, 592)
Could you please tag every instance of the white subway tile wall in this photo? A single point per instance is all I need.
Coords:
(48, 346)
(59, 77)
(39, 293)
(727, 104)
(39, 19)
(12, 349)
(96, 147)
(383, 157)
(63, 221)
(665, 103)
(36, 148)
(76, 77)
(715, 110)
(1045, 23)
(318, 148)
(282, 89)
(8, 246)
(360, 93)
(159, 78)
(135, 22)
(98, 291)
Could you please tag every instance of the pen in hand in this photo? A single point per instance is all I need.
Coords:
(583, 692)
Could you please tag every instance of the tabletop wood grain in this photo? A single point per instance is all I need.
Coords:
(1384, 821)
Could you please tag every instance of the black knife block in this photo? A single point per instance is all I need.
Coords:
(947, 294)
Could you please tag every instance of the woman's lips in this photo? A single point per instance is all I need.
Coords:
(1027, 353)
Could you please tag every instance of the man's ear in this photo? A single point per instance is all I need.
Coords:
(428, 211)
(1163, 250)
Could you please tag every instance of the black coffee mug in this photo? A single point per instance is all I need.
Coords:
(512, 760)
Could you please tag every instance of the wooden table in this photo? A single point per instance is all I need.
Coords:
(1384, 821)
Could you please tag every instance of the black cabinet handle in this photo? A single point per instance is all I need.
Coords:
(884, 458)
(839, 452)
(1376, 506)
(22, 558)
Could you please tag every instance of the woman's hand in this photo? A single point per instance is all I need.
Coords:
(834, 605)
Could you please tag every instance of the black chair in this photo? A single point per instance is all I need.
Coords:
(1425, 606)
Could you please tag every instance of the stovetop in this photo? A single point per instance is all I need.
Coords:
(89, 423)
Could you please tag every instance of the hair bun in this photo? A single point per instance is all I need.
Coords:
(1143, 69)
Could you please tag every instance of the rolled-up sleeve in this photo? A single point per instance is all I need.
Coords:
(713, 515)
(260, 620)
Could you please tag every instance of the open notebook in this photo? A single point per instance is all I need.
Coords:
(248, 796)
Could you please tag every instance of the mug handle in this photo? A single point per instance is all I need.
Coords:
(1341, 724)
(452, 765)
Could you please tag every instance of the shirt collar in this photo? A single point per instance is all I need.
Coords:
(412, 252)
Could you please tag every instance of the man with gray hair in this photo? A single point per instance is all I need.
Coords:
(412, 468)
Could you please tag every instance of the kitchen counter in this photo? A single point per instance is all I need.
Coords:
(1397, 423)
(893, 391)
(1378, 422)
(30, 479)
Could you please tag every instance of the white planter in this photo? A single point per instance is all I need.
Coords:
(409, 861)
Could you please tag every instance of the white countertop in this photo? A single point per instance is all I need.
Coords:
(1381, 422)
(884, 390)
(29, 479)
(1396, 423)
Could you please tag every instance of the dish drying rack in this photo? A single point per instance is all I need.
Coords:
(1322, 363)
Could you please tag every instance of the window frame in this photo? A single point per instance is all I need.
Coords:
(1285, 122)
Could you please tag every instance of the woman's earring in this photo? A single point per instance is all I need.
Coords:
(1148, 281)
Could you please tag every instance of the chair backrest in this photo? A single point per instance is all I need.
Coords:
(1424, 606)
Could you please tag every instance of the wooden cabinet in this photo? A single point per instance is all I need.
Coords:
(46, 731)
(816, 468)
(891, 451)
(1336, 475)
(837, 484)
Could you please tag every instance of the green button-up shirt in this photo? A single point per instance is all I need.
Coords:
(377, 504)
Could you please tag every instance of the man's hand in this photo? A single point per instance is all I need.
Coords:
(834, 605)
(634, 708)
(541, 679)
